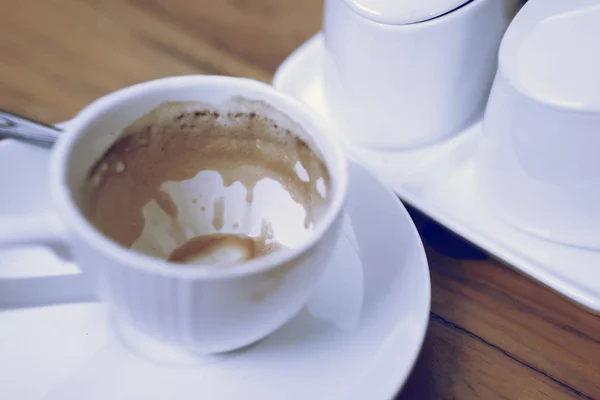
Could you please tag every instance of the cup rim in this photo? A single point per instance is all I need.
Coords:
(330, 149)
(524, 22)
(463, 7)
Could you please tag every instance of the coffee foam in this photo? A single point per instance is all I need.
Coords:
(145, 176)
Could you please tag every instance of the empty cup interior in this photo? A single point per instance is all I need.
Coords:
(191, 182)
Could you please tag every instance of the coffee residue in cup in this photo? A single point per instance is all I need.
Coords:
(225, 248)
(244, 141)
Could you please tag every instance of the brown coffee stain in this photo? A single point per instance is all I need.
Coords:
(218, 213)
(176, 231)
(166, 203)
(250, 192)
(176, 141)
(197, 248)
(200, 247)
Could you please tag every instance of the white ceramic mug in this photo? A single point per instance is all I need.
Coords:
(201, 310)
(538, 166)
(392, 83)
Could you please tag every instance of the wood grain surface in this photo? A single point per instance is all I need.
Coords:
(493, 334)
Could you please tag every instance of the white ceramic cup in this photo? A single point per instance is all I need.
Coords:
(538, 166)
(202, 310)
(391, 84)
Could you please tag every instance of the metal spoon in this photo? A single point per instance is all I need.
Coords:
(16, 127)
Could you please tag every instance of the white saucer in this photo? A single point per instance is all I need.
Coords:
(438, 180)
(357, 338)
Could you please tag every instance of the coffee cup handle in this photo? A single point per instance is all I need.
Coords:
(41, 289)
(44, 229)
(32, 229)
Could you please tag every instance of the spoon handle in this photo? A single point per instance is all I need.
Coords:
(19, 128)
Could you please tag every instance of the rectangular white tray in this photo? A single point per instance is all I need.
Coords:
(439, 181)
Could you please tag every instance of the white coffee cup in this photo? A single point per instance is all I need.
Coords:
(402, 74)
(202, 310)
(538, 166)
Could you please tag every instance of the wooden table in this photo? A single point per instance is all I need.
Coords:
(493, 334)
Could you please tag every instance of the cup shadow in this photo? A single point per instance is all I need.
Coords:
(443, 240)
